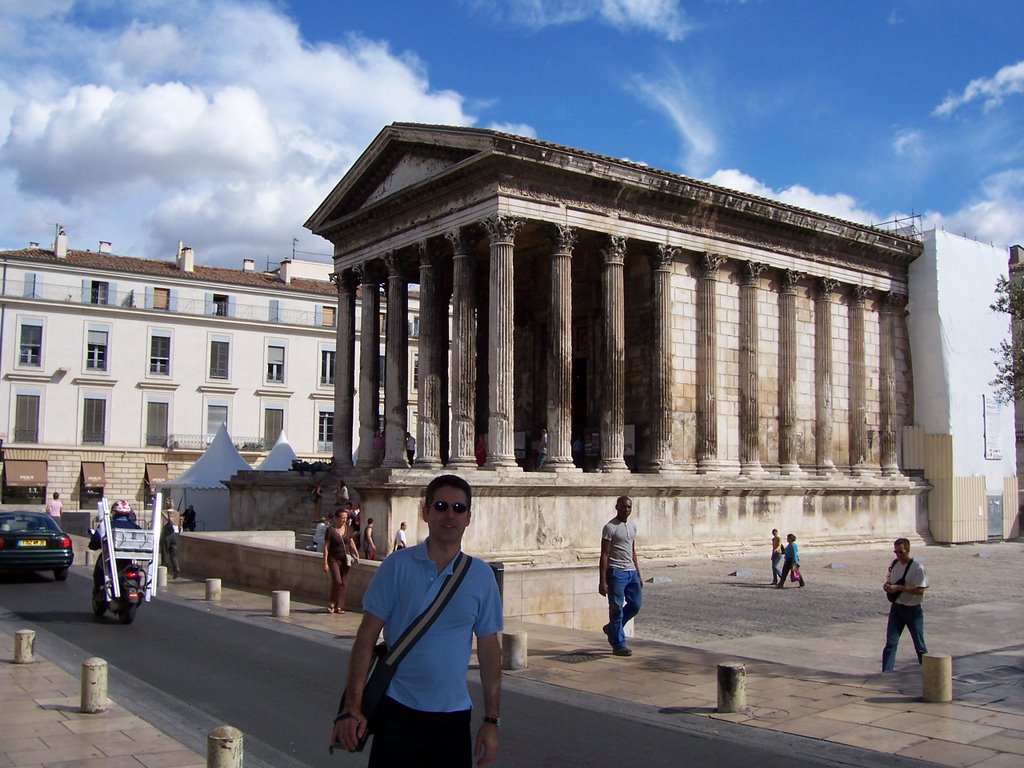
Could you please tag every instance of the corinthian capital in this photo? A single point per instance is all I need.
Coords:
(710, 263)
(663, 256)
(752, 271)
(789, 279)
(826, 287)
(615, 251)
(503, 229)
(563, 239)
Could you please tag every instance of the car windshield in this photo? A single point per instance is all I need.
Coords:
(16, 523)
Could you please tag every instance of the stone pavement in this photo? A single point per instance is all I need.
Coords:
(820, 690)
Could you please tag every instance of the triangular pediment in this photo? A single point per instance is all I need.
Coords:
(410, 169)
(402, 156)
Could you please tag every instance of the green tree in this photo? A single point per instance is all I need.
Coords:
(1009, 380)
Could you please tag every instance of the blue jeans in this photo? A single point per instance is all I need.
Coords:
(776, 572)
(900, 616)
(625, 594)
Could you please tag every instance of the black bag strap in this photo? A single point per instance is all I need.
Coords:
(401, 647)
(903, 578)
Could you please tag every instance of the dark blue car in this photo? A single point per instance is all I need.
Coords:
(33, 541)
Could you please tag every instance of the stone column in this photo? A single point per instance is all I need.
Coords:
(613, 440)
(463, 374)
(823, 375)
(396, 363)
(661, 374)
(858, 385)
(891, 306)
(501, 390)
(559, 405)
(788, 448)
(707, 364)
(432, 309)
(369, 364)
(344, 367)
(750, 451)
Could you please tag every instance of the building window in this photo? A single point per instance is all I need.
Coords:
(99, 292)
(30, 351)
(220, 304)
(94, 420)
(215, 416)
(219, 354)
(156, 424)
(273, 424)
(325, 431)
(162, 298)
(328, 317)
(275, 365)
(96, 351)
(26, 419)
(327, 358)
(416, 372)
(160, 354)
(414, 326)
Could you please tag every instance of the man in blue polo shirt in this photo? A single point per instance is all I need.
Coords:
(424, 720)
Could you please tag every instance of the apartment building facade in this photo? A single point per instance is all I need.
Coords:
(116, 372)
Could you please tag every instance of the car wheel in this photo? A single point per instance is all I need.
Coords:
(60, 574)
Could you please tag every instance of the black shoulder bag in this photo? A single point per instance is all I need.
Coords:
(385, 660)
(903, 580)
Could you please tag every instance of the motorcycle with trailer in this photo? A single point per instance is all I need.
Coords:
(128, 558)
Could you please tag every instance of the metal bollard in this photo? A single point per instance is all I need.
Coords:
(24, 642)
(281, 603)
(732, 687)
(513, 650)
(937, 677)
(90, 556)
(161, 576)
(213, 590)
(224, 748)
(94, 686)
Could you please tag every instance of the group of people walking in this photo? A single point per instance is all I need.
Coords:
(789, 556)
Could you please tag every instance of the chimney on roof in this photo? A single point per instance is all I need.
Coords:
(186, 260)
(104, 246)
(33, 244)
(1017, 254)
(248, 265)
(285, 271)
(60, 244)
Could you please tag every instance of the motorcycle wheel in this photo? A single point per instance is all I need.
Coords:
(99, 605)
(127, 616)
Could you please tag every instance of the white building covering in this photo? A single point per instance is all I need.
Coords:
(967, 448)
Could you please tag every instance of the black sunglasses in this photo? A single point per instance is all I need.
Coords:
(442, 506)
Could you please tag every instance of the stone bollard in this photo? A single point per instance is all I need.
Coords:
(94, 685)
(732, 687)
(937, 677)
(90, 556)
(513, 650)
(224, 748)
(24, 641)
(281, 603)
(213, 590)
(161, 576)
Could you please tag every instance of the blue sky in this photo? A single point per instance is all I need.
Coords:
(224, 123)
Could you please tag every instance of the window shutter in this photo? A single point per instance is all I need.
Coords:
(86, 294)
(231, 306)
(209, 308)
(112, 294)
(172, 301)
(148, 298)
(318, 316)
(30, 285)
(275, 311)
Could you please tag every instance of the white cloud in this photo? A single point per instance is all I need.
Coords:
(996, 214)
(516, 129)
(908, 143)
(676, 99)
(663, 17)
(213, 122)
(991, 90)
(839, 205)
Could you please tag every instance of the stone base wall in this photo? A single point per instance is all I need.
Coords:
(544, 518)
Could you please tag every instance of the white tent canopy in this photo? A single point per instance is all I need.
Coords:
(202, 484)
(280, 457)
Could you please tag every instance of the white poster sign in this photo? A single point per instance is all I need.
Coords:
(993, 409)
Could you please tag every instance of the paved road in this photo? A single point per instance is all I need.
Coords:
(187, 668)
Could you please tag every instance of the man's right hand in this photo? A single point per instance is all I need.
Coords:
(602, 588)
(347, 730)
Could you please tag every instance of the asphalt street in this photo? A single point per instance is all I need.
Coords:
(187, 667)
